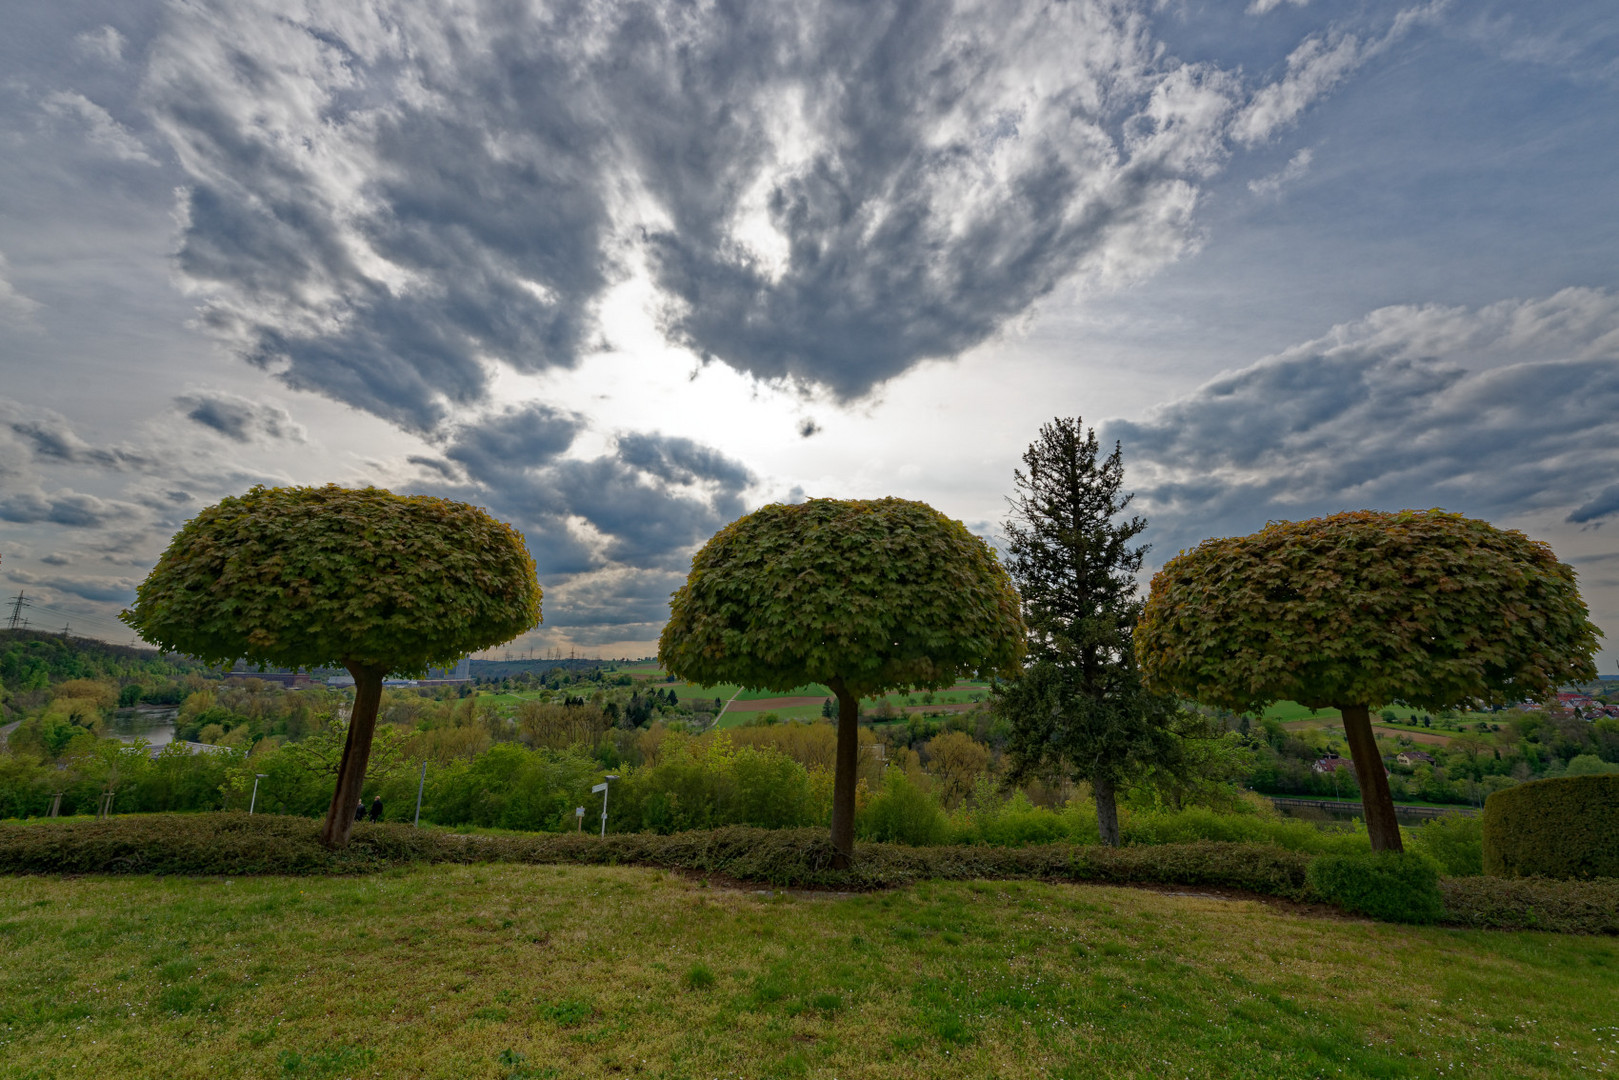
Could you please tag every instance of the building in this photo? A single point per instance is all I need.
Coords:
(1414, 757)
(1332, 763)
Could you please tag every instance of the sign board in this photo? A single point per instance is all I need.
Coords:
(598, 787)
(579, 811)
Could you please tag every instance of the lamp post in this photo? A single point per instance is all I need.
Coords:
(602, 787)
(420, 784)
(254, 801)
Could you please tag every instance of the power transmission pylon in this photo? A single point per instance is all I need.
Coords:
(17, 604)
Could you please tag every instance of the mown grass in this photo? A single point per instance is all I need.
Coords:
(525, 972)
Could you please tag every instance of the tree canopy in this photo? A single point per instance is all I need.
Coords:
(883, 594)
(862, 595)
(363, 578)
(1361, 609)
(1423, 607)
(331, 576)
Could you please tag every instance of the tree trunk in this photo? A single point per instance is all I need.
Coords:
(844, 775)
(1107, 809)
(1374, 780)
(356, 755)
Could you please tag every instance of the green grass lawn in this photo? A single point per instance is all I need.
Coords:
(524, 972)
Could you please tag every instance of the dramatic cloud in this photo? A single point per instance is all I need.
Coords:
(239, 419)
(384, 198)
(1504, 411)
(641, 506)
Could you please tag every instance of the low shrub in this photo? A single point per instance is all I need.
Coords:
(1562, 828)
(1564, 907)
(1393, 886)
(1455, 842)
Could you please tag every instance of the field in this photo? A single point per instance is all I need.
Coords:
(521, 972)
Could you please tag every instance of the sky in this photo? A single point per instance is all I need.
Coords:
(622, 272)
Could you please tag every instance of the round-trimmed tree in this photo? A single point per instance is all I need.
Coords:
(863, 596)
(374, 582)
(1362, 609)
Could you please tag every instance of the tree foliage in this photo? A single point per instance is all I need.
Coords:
(864, 596)
(1080, 706)
(885, 594)
(366, 579)
(329, 576)
(1423, 607)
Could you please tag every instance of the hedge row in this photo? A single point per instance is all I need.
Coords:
(1565, 907)
(235, 844)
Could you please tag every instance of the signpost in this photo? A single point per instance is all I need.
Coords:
(579, 812)
(602, 787)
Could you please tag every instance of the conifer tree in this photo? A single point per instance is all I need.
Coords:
(1079, 706)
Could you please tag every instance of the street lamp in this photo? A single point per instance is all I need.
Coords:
(602, 787)
(421, 785)
(254, 801)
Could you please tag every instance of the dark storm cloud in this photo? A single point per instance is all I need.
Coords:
(50, 439)
(1605, 505)
(105, 590)
(68, 508)
(514, 442)
(385, 197)
(239, 419)
(401, 198)
(642, 505)
(1384, 414)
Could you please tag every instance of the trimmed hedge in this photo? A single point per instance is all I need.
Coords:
(1567, 827)
(1393, 886)
(1564, 907)
(237, 844)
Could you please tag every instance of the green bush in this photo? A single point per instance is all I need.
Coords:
(1455, 842)
(902, 813)
(1196, 823)
(1387, 885)
(1562, 828)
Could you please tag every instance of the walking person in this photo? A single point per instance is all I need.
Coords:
(359, 810)
(376, 808)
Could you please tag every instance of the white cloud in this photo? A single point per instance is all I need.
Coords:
(102, 43)
(1314, 69)
(1269, 187)
(16, 310)
(1261, 7)
(100, 129)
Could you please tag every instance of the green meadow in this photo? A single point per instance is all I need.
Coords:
(521, 972)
